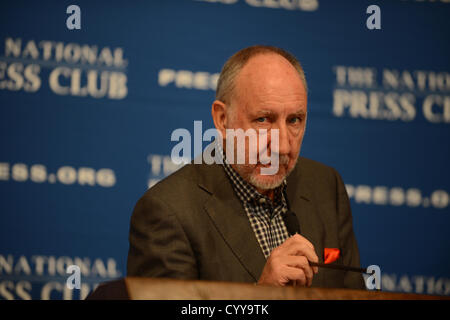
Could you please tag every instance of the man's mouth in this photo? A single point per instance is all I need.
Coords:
(270, 165)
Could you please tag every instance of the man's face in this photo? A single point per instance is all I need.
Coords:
(269, 94)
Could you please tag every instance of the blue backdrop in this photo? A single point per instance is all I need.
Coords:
(86, 117)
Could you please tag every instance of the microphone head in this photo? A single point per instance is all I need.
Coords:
(291, 222)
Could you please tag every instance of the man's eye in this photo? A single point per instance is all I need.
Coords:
(295, 120)
(261, 119)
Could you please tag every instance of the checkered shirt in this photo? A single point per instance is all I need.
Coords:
(265, 216)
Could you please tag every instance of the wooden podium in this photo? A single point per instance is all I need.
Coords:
(169, 289)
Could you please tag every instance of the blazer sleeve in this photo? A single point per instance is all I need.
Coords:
(159, 246)
(347, 239)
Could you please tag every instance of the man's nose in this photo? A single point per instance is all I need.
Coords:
(284, 146)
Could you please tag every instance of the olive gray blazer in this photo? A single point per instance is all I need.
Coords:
(191, 225)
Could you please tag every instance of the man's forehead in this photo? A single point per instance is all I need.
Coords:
(271, 111)
(290, 103)
(272, 98)
(276, 111)
(269, 75)
(267, 64)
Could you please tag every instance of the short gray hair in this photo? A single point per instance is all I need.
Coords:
(226, 82)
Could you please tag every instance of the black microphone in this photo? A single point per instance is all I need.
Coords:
(291, 223)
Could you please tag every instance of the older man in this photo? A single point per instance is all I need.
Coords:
(225, 221)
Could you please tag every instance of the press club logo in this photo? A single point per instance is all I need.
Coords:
(79, 70)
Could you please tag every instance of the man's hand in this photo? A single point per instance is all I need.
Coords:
(289, 262)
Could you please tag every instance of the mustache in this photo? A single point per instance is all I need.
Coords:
(282, 159)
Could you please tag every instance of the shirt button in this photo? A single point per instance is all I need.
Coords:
(262, 200)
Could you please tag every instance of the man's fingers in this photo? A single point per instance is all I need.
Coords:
(289, 263)
(297, 275)
(301, 249)
(302, 263)
(297, 238)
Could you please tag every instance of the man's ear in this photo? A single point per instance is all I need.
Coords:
(219, 115)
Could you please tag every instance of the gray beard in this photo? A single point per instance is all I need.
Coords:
(254, 181)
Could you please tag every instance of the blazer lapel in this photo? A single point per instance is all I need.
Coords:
(301, 202)
(311, 226)
(229, 217)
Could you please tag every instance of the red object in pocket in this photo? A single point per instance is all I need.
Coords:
(330, 255)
